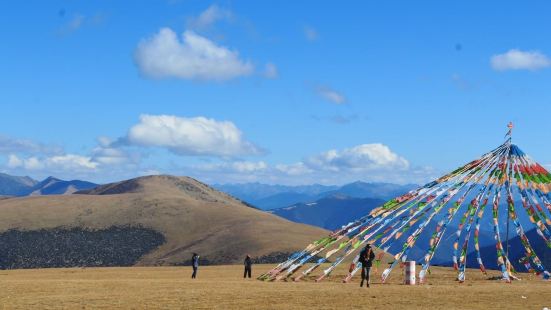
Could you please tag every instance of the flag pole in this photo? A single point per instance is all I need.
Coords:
(510, 137)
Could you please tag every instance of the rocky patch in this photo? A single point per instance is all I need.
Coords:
(76, 247)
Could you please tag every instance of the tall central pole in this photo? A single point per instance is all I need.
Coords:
(509, 167)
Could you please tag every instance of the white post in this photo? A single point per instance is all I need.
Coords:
(409, 273)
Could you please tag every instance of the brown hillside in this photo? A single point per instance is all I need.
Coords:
(190, 215)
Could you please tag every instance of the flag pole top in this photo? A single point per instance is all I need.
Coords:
(510, 131)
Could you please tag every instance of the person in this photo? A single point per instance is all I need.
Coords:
(366, 259)
(248, 266)
(195, 265)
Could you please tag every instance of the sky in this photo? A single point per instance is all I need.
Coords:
(276, 92)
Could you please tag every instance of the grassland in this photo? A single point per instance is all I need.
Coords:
(222, 287)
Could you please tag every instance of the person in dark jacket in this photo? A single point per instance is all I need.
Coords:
(248, 266)
(366, 259)
(195, 265)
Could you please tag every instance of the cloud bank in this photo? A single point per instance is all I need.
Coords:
(216, 152)
(15, 145)
(369, 162)
(67, 162)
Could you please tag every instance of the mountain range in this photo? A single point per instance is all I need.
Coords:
(26, 186)
(160, 220)
(54, 186)
(267, 197)
(153, 220)
(15, 185)
(330, 212)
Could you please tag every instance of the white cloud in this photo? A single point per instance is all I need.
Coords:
(15, 145)
(270, 71)
(67, 162)
(104, 141)
(364, 157)
(520, 60)
(103, 163)
(71, 161)
(33, 158)
(235, 167)
(245, 166)
(32, 163)
(367, 162)
(201, 136)
(209, 17)
(294, 169)
(195, 58)
(14, 161)
(330, 94)
(109, 156)
(310, 33)
(190, 136)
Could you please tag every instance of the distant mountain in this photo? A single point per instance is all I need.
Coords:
(15, 185)
(26, 186)
(255, 193)
(54, 186)
(269, 197)
(383, 191)
(330, 212)
(283, 199)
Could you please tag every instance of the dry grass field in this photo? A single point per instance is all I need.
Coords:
(222, 287)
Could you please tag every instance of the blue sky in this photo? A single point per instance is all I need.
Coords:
(276, 92)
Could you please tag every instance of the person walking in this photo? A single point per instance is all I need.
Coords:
(366, 259)
(248, 266)
(195, 265)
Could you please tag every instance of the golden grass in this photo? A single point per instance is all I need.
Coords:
(222, 287)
